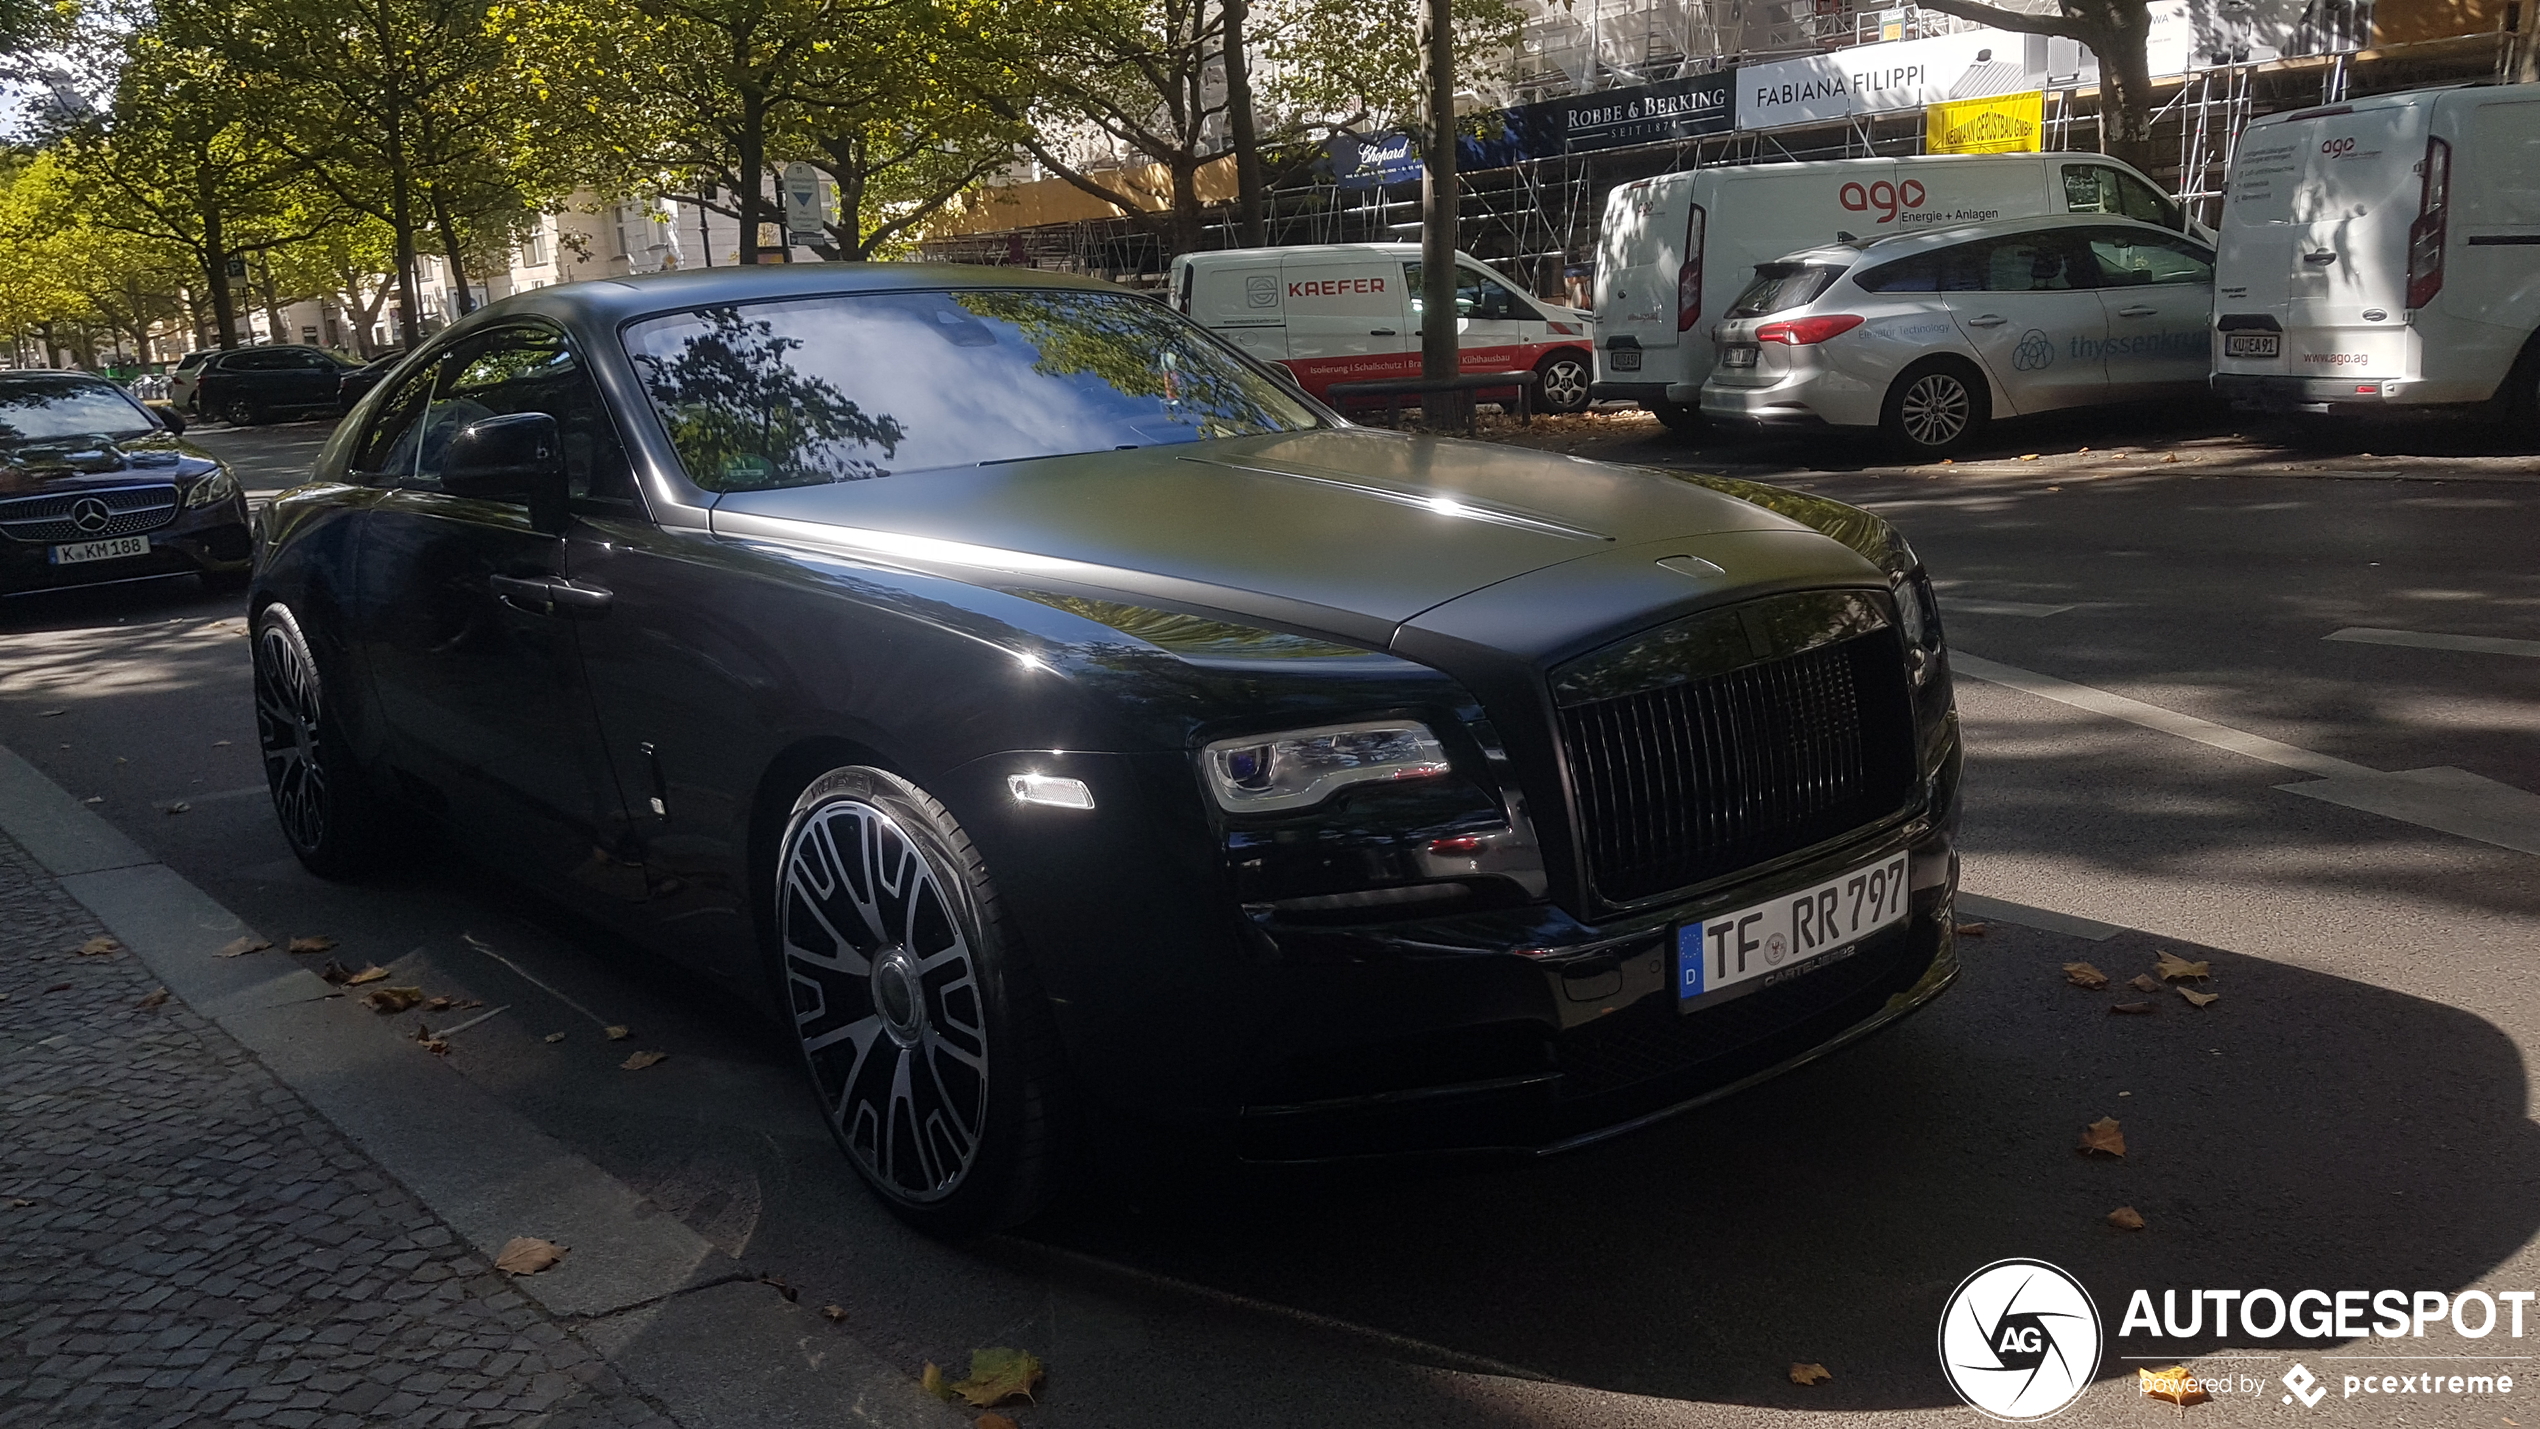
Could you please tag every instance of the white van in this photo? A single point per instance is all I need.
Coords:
(2383, 253)
(1675, 249)
(1350, 312)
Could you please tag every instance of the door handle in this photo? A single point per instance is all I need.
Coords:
(1380, 332)
(2138, 312)
(550, 595)
(1988, 320)
(2323, 257)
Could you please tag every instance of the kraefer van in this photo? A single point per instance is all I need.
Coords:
(2384, 253)
(1675, 249)
(1350, 312)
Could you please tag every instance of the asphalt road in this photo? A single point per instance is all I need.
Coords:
(2355, 1111)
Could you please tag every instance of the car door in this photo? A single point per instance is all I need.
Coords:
(475, 668)
(308, 379)
(2025, 303)
(2157, 290)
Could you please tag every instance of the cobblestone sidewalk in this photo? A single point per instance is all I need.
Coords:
(183, 1241)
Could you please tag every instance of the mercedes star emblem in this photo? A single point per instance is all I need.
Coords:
(90, 514)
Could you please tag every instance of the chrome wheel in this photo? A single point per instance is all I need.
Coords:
(884, 980)
(290, 706)
(1936, 409)
(1565, 385)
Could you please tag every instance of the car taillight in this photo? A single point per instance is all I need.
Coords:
(1801, 332)
(2425, 236)
(1689, 276)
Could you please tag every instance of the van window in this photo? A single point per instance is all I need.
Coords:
(2131, 258)
(1476, 295)
(2505, 147)
(1779, 287)
(2102, 188)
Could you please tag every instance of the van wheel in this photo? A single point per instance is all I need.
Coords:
(1936, 408)
(1678, 417)
(1562, 378)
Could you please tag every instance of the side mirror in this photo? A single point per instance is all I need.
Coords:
(518, 456)
(170, 418)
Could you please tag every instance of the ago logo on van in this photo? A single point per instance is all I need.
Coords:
(1889, 199)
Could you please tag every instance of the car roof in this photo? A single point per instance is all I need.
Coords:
(609, 301)
(1314, 250)
(1924, 240)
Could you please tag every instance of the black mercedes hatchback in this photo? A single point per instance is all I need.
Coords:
(96, 489)
(1059, 722)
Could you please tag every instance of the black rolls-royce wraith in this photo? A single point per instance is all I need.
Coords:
(1062, 722)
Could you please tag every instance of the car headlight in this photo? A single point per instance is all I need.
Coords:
(213, 489)
(1266, 773)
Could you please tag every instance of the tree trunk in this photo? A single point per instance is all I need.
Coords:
(1250, 229)
(401, 217)
(1440, 348)
(2125, 95)
(1189, 222)
(216, 274)
(266, 290)
(450, 250)
(753, 157)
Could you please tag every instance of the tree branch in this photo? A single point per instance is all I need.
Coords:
(2064, 26)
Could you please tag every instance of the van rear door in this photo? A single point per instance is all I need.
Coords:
(2492, 257)
(1641, 251)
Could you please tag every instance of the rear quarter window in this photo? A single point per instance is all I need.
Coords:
(1779, 287)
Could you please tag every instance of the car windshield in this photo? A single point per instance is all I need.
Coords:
(857, 386)
(1779, 287)
(36, 408)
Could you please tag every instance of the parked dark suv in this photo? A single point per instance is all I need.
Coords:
(258, 384)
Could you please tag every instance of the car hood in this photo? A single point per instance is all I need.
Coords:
(45, 465)
(1351, 531)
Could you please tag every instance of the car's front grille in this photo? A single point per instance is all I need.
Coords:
(1699, 777)
(113, 511)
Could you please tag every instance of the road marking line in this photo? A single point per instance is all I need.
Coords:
(1951, 606)
(2477, 644)
(1997, 910)
(2452, 801)
(2185, 726)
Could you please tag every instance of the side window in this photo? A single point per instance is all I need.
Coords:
(2146, 204)
(2033, 263)
(386, 456)
(2131, 258)
(2100, 188)
(1918, 274)
(528, 369)
(1477, 295)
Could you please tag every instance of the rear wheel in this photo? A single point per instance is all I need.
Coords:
(239, 412)
(919, 1020)
(325, 810)
(1681, 418)
(1562, 379)
(1935, 408)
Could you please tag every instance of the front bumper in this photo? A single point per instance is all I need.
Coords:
(207, 540)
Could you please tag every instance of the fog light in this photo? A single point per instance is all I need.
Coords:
(1051, 790)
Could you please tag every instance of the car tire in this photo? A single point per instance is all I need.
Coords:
(1935, 408)
(1682, 418)
(319, 795)
(239, 412)
(1562, 382)
(921, 1025)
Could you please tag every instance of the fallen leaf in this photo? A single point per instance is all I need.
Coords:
(2102, 1137)
(157, 997)
(2054, 488)
(792, 1295)
(438, 1004)
(2126, 1218)
(2199, 999)
(314, 943)
(2176, 1385)
(94, 799)
(100, 948)
(2144, 982)
(19, 1203)
(2173, 456)
(220, 744)
(436, 1046)
(836, 1314)
(336, 973)
(555, 1036)
(2032, 456)
(527, 1255)
(48, 714)
(2083, 975)
(394, 999)
(931, 1380)
(999, 1421)
(2131, 1008)
(638, 1061)
(242, 945)
(1810, 1374)
(59, 987)
(373, 973)
(2173, 968)
(618, 1034)
(997, 1375)
(179, 807)
(1972, 930)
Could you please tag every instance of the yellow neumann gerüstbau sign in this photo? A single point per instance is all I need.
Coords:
(2003, 124)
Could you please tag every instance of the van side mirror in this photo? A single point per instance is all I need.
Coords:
(518, 456)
